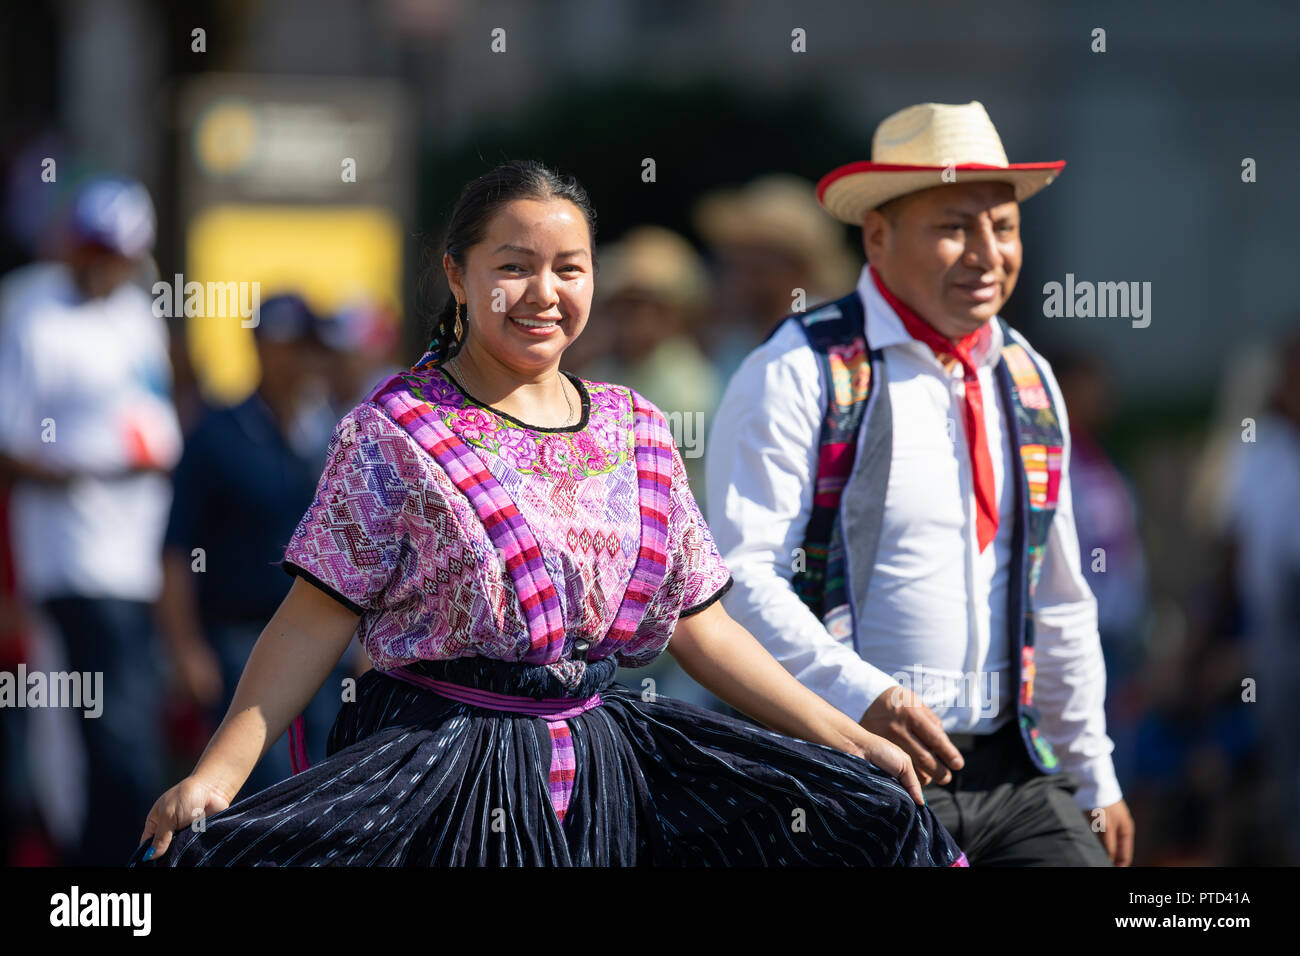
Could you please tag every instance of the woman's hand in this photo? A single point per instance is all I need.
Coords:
(179, 807)
(295, 653)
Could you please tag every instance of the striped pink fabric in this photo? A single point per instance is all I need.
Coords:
(510, 535)
(298, 761)
(505, 526)
(564, 767)
(654, 472)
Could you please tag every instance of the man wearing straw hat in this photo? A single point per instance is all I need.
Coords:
(888, 484)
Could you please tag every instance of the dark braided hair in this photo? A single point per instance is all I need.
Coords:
(518, 179)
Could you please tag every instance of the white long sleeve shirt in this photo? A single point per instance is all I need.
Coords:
(935, 616)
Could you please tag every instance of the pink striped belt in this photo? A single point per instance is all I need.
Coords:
(549, 708)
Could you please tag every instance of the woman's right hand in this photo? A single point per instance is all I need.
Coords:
(179, 807)
(892, 759)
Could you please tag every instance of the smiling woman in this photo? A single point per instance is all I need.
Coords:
(520, 264)
(501, 538)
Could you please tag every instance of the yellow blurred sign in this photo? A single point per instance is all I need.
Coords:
(330, 255)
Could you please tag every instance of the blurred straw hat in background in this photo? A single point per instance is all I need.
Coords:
(780, 211)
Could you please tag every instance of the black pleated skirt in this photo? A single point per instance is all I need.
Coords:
(416, 779)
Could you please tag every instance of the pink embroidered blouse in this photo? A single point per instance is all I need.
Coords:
(393, 536)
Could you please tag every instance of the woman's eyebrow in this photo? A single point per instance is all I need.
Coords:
(525, 251)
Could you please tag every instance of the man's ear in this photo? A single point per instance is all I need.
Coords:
(875, 234)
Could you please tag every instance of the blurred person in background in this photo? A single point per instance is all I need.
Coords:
(1111, 553)
(246, 475)
(767, 239)
(1260, 502)
(363, 340)
(1211, 763)
(87, 435)
(1205, 764)
(652, 287)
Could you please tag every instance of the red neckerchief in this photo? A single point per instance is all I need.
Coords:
(981, 465)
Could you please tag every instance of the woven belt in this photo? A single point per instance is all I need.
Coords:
(550, 708)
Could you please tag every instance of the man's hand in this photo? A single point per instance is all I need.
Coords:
(1116, 833)
(900, 716)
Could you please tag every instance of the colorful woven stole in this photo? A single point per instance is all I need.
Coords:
(513, 539)
(846, 361)
(1036, 431)
(654, 476)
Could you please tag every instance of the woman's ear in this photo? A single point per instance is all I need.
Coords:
(455, 279)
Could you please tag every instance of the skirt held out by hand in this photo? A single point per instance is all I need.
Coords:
(416, 778)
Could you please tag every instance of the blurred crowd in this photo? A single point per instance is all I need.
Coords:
(142, 526)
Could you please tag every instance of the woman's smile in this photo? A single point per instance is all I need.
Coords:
(531, 325)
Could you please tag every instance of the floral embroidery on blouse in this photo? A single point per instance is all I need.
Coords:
(598, 449)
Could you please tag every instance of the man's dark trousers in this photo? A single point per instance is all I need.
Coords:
(1003, 811)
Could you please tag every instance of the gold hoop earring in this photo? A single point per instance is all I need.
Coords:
(459, 328)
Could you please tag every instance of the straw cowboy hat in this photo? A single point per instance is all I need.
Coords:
(911, 151)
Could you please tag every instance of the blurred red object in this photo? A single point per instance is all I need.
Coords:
(13, 646)
(33, 847)
(187, 729)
